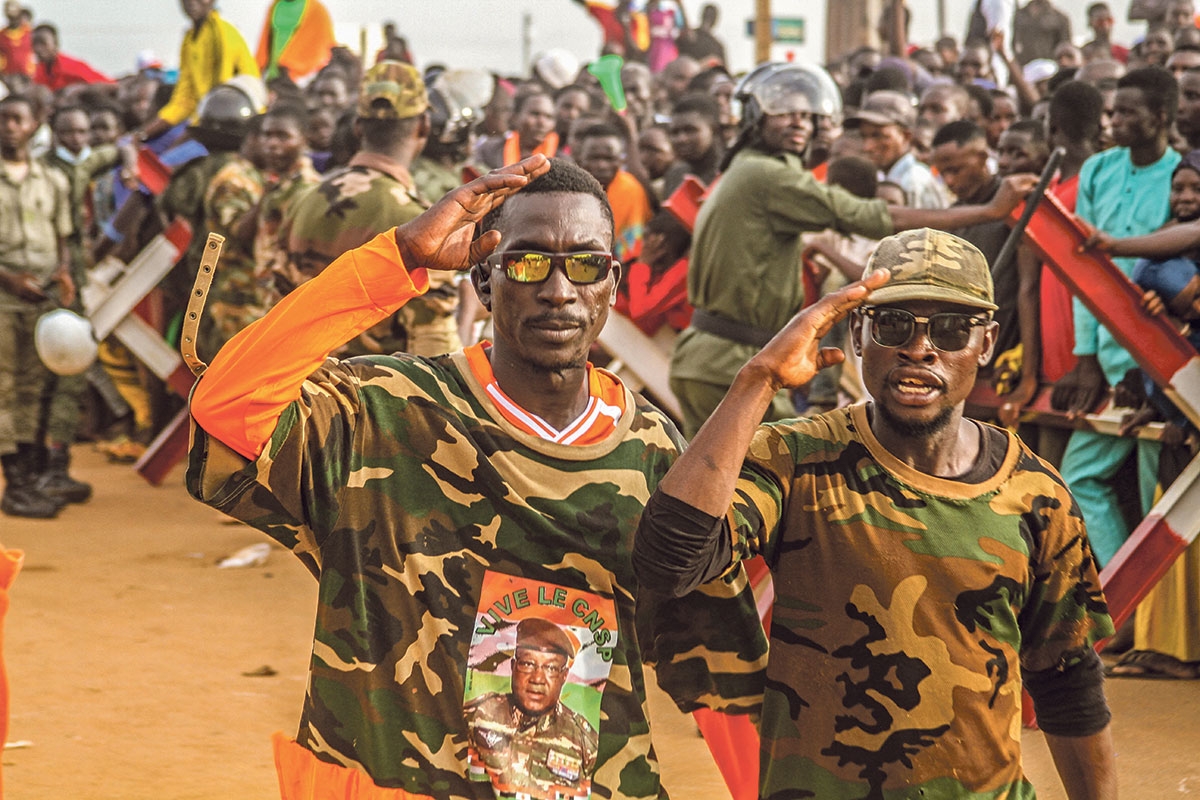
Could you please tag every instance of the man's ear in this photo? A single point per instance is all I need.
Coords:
(990, 333)
(481, 279)
(616, 281)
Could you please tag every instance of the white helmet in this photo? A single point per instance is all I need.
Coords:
(64, 342)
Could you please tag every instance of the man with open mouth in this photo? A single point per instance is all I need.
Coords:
(927, 567)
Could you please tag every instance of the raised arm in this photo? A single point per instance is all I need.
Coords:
(704, 476)
(260, 371)
(1163, 243)
(1013, 190)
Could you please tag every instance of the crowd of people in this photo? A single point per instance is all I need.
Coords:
(417, 265)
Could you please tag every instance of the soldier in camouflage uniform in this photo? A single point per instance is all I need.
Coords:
(235, 298)
(527, 740)
(411, 483)
(290, 174)
(35, 277)
(63, 399)
(372, 194)
(927, 567)
(224, 116)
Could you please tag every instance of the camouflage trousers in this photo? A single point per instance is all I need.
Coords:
(23, 377)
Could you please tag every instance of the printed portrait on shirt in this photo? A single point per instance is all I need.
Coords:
(540, 656)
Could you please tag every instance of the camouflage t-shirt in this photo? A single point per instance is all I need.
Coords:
(906, 607)
(435, 521)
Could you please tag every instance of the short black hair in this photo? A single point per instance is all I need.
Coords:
(46, 27)
(25, 100)
(676, 239)
(564, 176)
(960, 132)
(855, 174)
(1158, 87)
(72, 109)
(570, 87)
(523, 97)
(600, 130)
(1075, 109)
(890, 78)
(1094, 7)
(699, 103)
(1033, 127)
(385, 134)
(982, 98)
(296, 113)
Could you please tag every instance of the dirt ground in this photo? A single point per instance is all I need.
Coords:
(134, 664)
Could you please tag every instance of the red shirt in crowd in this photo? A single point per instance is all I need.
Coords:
(64, 71)
(651, 301)
(16, 51)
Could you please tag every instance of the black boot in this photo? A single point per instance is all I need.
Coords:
(56, 483)
(21, 495)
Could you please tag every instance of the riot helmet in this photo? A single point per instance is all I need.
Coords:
(785, 88)
(64, 342)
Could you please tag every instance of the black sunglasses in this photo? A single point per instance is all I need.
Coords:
(531, 266)
(949, 331)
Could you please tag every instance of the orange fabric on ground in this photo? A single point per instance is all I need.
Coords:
(303, 776)
(512, 147)
(10, 565)
(308, 48)
(605, 406)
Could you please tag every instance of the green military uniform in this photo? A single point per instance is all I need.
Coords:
(80, 175)
(64, 393)
(745, 268)
(184, 198)
(35, 213)
(398, 476)
(433, 179)
(236, 298)
(552, 752)
(896, 665)
(269, 253)
(370, 195)
(350, 207)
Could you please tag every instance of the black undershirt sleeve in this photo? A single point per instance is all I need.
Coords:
(679, 547)
(1070, 702)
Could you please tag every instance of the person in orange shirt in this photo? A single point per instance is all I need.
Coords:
(532, 132)
(16, 42)
(656, 283)
(602, 153)
(296, 38)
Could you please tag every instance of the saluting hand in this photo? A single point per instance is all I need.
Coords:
(794, 356)
(444, 236)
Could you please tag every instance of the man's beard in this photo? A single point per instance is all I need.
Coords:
(915, 429)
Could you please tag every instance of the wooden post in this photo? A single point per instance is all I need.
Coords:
(762, 31)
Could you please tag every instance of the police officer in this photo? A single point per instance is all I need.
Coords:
(744, 277)
(527, 739)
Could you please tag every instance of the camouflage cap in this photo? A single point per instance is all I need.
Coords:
(927, 264)
(396, 82)
(540, 634)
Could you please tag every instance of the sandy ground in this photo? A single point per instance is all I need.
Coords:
(133, 664)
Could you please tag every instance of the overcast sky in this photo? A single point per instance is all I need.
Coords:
(462, 33)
